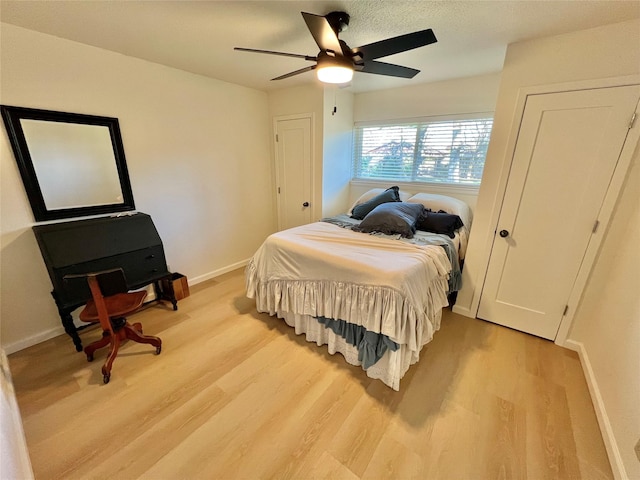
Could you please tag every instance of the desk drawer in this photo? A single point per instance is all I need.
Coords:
(142, 265)
(140, 268)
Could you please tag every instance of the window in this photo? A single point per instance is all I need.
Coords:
(443, 151)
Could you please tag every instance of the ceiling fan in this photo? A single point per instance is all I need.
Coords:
(336, 61)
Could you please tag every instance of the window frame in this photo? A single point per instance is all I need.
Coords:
(448, 186)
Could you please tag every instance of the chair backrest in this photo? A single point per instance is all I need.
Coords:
(101, 307)
(111, 281)
(102, 284)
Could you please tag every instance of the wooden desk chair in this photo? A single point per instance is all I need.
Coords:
(109, 305)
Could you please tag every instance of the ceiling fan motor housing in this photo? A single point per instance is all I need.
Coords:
(329, 58)
(339, 21)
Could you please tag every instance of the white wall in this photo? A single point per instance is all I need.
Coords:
(458, 96)
(607, 323)
(331, 143)
(337, 151)
(293, 101)
(603, 52)
(14, 456)
(449, 97)
(333, 133)
(197, 151)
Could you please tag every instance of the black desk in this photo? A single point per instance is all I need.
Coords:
(130, 242)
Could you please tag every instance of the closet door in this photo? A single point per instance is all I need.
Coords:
(293, 170)
(567, 150)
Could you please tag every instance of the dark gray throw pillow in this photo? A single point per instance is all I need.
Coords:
(392, 218)
(440, 222)
(361, 210)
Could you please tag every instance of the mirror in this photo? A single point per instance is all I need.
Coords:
(72, 165)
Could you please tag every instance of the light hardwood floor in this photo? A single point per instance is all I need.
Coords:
(237, 395)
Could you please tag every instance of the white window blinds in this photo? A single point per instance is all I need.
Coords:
(445, 152)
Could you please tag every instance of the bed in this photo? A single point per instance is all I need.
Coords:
(374, 296)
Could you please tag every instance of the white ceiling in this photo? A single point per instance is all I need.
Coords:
(199, 36)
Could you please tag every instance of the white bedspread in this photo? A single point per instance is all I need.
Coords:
(389, 287)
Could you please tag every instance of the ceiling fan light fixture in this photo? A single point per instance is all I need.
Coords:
(334, 74)
(334, 68)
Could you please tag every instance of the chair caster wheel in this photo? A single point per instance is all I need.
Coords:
(158, 350)
(90, 358)
(106, 378)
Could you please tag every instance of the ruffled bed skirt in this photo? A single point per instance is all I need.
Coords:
(389, 369)
(409, 315)
(377, 308)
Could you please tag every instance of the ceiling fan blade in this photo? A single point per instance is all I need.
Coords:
(271, 52)
(381, 68)
(322, 32)
(393, 45)
(297, 72)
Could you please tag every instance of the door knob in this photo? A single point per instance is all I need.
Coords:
(305, 204)
(504, 233)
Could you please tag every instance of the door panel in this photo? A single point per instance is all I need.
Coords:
(293, 166)
(567, 150)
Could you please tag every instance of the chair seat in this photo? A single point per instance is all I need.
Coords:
(118, 305)
(110, 311)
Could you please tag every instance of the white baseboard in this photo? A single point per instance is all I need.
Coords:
(464, 311)
(32, 340)
(218, 272)
(54, 332)
(613, 452)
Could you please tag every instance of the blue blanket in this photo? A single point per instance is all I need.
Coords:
(371, 346)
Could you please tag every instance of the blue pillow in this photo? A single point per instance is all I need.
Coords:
(392, 218)
(440, 222)
(361, 210)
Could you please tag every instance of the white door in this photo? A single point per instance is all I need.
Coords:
(293, 171)
(567, 150)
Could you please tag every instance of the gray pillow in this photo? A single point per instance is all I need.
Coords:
(361, 210)
(392, 218)
(439, 222)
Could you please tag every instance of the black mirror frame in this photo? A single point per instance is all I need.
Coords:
(12, 116)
